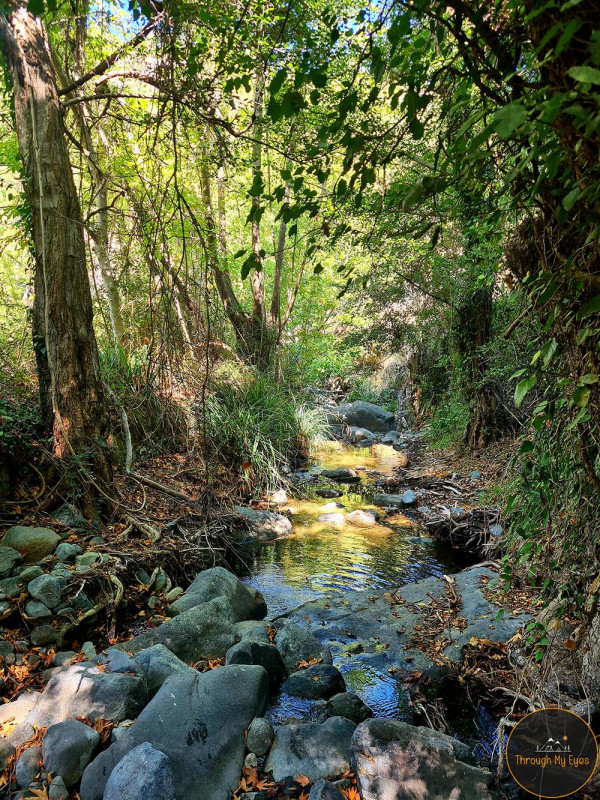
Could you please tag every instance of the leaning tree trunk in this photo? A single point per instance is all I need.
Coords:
(69, 376)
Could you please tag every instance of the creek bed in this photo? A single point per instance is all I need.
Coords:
(322, 560)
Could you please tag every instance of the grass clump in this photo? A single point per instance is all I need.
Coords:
(258, 428)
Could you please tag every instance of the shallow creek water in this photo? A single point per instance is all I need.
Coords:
(321, 559)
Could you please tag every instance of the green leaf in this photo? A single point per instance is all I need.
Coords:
(526, 447)
(584, 74)
(318, 78)
(278, 81)
(417, 128)
(592, 307)
(508, 118)
(581, 395)
(570, 200)
(588, 379)
(522, 388)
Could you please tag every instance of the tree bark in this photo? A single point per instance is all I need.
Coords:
(71, 392)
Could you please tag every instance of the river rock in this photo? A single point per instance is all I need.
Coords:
(47, 589)
(67, 749)
(252, 629)
(329, 494)
(317, 750)
(28, 766)
(317, 682)
(331, 518)
(199, 722)
(36, 611)
(70, 516)
(9, 559)
(67, 551)
(408, 498)
(361, 435)
(324, 790)
(249, 651)
(397, 761)
(32, 543)
(264, 525)
(205, 631)
(363, 519)
(245, 601)
(362, 414)
(350, 706)
(390, 437)
(58, 789)
(341, 475)
(260, 736)
(297, 644)
(42, 635)
(142, 774)
(158, 664)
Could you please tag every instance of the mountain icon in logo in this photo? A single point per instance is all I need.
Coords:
(552, 746)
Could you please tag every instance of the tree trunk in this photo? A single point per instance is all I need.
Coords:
(69, 376)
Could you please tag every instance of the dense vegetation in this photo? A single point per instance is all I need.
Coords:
(211, 211)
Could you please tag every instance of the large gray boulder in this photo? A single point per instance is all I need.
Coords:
(397, 761)
(246, 602)
(315, 683)
(157, 665)
(48, 589)
(143, 774)
(361, 414)
(205, 631)
(297, 644)
(324, 790)
(9, 559)
(249, 651)
(312, 749)
(199, 721)
(32, 543)
(264, 525)
(67, 749)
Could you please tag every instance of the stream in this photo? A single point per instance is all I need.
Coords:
(322, 560)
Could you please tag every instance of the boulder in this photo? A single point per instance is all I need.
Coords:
(317, 682)
(391, 437)
(324, 790)
(9, 559)
(246, 602)
(32, 543)
(48, 589)
(260, 736)
(58, 789)
(67, 749)
(362, 519)
(42, 635)
(329, 494)
(312, 749)
(36, 611)
(408, 498)
(264, 525)
(397, 761)
(67, 551)
(199, 721)
(70, 516)
(362, 414)
(158, 664)
(361, 435)
(143, 774)
(249, 651)
(205, 631)
(297, 644)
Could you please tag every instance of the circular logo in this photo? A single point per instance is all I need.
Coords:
(552, 753)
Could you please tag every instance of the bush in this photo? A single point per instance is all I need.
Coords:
(257, 427)
(449, 421)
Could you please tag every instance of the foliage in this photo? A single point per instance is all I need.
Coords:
(256, 428)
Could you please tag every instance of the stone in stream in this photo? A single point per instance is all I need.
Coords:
(67, 749)
(48, 589)
(362, 519)
(264, 525)
(396, 761)
(143, 774)
(361, 435)
(28, 766)
(157, 665)
(317, 750)
(32, 543)
(329, 494)
(199, 721)
(245, 601)
(67, 551)
(408, 498)
(317, 682)
(332, 518)
(260, 736)
(350, 706)
(390, 437)
(296, 644)
(362, 414)
(341, 475)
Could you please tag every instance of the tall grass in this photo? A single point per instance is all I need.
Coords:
(258, 428)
